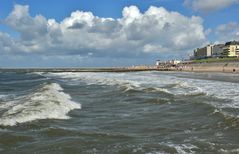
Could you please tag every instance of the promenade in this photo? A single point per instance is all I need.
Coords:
(223, 67)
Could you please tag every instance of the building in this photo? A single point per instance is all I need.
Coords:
(167, 63)
(160, 63)
(217, 50)
(204, 52)
(174, 62)
(231, 49)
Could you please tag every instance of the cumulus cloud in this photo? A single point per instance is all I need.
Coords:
(82, 33)
(206, 6)
(29, 28)
(6, 42)
(33, 30)
(227, 32)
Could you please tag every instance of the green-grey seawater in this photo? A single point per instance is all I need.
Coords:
(106, 113)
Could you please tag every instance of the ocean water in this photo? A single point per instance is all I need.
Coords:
(106, 113)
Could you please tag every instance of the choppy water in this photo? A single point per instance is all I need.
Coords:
(145, 112)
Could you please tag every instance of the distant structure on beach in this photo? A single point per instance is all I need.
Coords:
(168, 63)
(229, 49)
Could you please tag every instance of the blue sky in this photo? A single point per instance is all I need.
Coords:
(80, 33)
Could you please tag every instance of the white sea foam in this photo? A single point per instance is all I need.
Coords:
(182, 148)
(221, 90)
(223, 151)
(138, 81)
(129, 81)
(2, 100)
(168, 83)
(48, 102)
(3, 96)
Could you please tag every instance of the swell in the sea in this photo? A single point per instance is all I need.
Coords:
(47, 102)
(166, 83)
(162, 83)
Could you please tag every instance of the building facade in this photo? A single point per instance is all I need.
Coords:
(160, 63)
(174, 62)
(204, 52)
(167, 63)
(217, 50)
(231, 49)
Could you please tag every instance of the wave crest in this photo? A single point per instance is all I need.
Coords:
(48, 102)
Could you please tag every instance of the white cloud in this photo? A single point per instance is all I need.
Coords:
(6, 42)
(135, 34)
(29, 28)
(227, 32)
(206, 6)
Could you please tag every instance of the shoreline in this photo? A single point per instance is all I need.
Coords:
(59, 70)
(221, 67)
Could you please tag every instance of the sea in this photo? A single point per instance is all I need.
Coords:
(123, 113)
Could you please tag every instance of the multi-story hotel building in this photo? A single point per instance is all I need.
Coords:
(204, 52)
(231, 49)
(217, 50)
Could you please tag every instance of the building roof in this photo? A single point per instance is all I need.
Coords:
(232, 43)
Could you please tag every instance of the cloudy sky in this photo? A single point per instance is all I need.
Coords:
(93, 33)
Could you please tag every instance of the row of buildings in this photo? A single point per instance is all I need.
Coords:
(229, 49)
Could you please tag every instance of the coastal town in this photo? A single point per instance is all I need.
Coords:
(210, 58)
(227, 50)
(209, 53)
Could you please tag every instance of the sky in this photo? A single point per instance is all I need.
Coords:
(111, 33)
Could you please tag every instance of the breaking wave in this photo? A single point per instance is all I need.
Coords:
(160, 82)
(128, 82)
(48, 102)
(2, 96)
